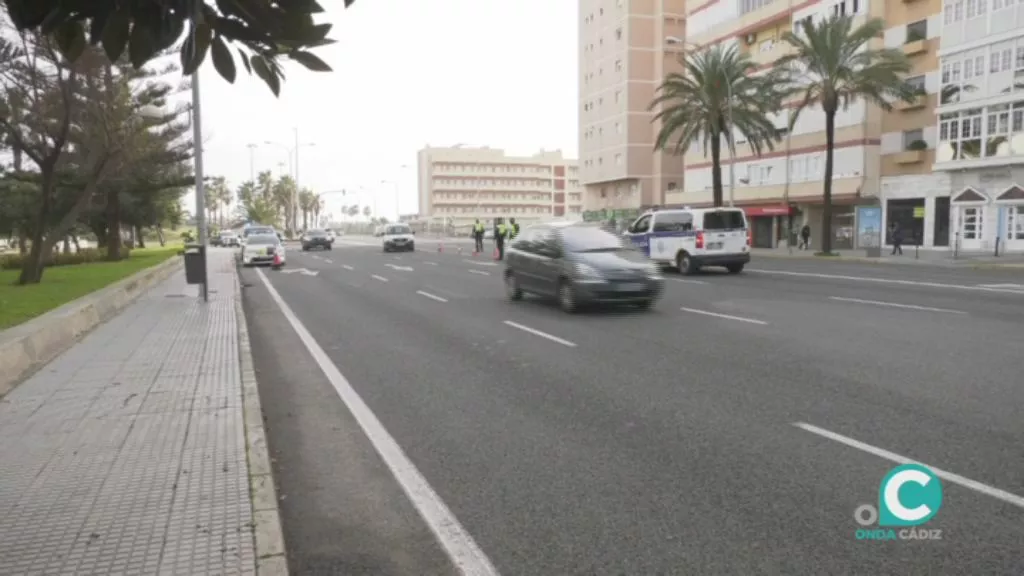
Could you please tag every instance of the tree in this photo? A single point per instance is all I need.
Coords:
(833, 66)
(217, 198)
(68, 126)
(262, 30)
(367, 211)
(696, 106)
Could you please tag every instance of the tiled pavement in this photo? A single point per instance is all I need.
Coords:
(127, 454)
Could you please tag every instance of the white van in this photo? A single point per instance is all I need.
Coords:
(691, 238)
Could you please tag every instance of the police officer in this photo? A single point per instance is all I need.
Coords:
(500, 230)
(513, 229)
(478, 235)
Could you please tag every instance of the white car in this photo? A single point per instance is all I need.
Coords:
(399, 238)
(263, 249)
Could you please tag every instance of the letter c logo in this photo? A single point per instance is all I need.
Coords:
(910, 495)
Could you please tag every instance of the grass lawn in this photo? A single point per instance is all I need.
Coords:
(62, 284)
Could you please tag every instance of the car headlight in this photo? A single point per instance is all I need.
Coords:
(587, 272)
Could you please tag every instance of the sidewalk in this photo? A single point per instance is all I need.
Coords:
(127, 454)
(923, 257)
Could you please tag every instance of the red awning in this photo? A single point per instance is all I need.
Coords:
(773, 210)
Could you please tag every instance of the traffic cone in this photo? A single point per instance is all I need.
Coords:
(440, 247)
(496, 253)
(277, 260)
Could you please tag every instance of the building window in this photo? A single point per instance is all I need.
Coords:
(618, 96)
(618, 65)
(751, 5)
(618, 33)
(618, 159)
(916, 83)
(914, 140)
(917, 31)
(618, 128)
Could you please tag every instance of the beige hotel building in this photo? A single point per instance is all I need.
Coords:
(460, 184)
(889, 159)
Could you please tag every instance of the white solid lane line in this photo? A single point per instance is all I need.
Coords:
(895, 305)
(886, 281)
(347, 267)
(893, 457)
(480, 272)
(725, 316)
(381, 278)
(478, 263)
(399, 268)
(463, 550)
(536, 332)
(687, 281)
(431, 296)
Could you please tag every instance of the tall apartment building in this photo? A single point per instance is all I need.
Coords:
(980, 144)
(461, 184)
(624, 55)
(874, 150)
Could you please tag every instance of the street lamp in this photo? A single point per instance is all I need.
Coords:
(293, 154)
(672, 40)
(398, 209)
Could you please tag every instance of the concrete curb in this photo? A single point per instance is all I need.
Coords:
(27, 347)
(882, 262)
(268, 535)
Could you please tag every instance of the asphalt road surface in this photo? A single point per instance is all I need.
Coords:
(416, 415)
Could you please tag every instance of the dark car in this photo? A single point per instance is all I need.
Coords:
(317, 239)
(580, 264)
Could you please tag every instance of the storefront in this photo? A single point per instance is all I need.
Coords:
(768, 224)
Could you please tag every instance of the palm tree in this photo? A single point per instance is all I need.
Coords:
(832, 66)
(717, 89)
(367, 211)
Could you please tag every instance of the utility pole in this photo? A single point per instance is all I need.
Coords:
(295, 192)
(252, 162)
(197, 136)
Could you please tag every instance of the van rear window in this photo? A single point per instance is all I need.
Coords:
(724, 220)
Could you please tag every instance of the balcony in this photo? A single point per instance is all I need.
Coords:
(920, 102)
(915, 47)
(909, 157)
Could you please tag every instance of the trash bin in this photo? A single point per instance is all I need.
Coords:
(195, 264)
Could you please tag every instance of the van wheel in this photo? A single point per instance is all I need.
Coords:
(734, 268)
(685, 264)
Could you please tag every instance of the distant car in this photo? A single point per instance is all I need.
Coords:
(316, 239)
(580, 265)
(263, 249)
(379, 230)
(398, 238)
(258, 231)
(229, 238)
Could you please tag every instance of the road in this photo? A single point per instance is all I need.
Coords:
(732, 430)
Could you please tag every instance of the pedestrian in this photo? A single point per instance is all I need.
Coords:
(897, 240)
(805, 237)
(478, 236)
(513, 229)
(499, 237)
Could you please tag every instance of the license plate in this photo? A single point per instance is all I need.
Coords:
(714, 245)
(631, 287)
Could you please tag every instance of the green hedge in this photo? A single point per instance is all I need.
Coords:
(84, 256)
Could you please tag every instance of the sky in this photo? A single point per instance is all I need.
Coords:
(407, 74)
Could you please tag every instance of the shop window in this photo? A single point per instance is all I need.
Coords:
(901, 213)
(940, 224)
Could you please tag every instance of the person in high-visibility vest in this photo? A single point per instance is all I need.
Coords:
(478, 235)
(513, 229)
(500, 230)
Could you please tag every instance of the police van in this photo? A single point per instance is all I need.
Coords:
(692, 238)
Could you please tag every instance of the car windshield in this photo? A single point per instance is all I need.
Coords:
(399, 230)
(317, 233)
(263, 240)
(258, 231)
(590, 239)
